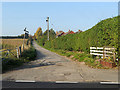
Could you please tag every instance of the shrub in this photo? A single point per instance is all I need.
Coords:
(29, 54)
(105, 33)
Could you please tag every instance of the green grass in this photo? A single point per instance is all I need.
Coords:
(12, 62)
(89, 60)
(81, 57)
(9, 63)
(29, 54)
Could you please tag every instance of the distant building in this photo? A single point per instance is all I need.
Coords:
(69, 32)
(60, 33)
(78, 31)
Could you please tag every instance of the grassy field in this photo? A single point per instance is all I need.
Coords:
(10, 61)
(12, 43)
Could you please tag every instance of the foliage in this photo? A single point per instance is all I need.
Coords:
(81, 57)
(105, 33)
(12, 62)
(44, 38)
(38, 33)
(29, 54)
(9, 62)
(108, 59)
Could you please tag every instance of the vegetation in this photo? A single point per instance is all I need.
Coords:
(105, 33)
(42, 38)
(38, 33)
(15, 37)
(10, 61)
(12, 43)
(81, 57)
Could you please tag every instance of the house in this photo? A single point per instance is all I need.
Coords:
(60, 33)
(70, 32)
(78, 31)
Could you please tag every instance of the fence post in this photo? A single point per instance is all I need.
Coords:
(17, 53)
(103, 53)
(8, 51)
(20, 51)
(114, 55)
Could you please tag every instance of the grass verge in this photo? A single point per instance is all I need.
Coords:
(89, 60)
(12, 62)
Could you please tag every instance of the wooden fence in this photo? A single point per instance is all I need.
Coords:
(103, 52)
(10, 51)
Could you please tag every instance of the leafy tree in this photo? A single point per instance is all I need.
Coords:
(43, 39)
(38, 33)
(52, 34)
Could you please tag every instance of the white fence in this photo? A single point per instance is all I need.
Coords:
(103, 51)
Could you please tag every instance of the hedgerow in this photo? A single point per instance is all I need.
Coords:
(105, 33)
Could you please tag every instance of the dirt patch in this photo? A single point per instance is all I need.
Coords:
(67, 73)
(59, 64)
(71, 56)
(82, 63)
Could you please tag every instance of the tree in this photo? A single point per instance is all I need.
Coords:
(38, 33)
(52, 34)
(44, 38)
(26, 35)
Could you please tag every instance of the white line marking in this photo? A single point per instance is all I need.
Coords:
(109, 82)
(24, 81)
(65, 82)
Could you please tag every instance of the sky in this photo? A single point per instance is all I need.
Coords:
(63, 15)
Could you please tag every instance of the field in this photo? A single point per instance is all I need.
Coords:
(12, 43)
(10, 60)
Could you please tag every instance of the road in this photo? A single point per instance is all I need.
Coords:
(50, 67)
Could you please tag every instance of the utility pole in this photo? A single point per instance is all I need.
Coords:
(48, 26)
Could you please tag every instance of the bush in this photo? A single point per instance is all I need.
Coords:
(105, 33)
(29, 54)
(12, 62)
(9, 63)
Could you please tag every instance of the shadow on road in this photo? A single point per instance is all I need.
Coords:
(40, 55)
(34, 66)
(38, 62)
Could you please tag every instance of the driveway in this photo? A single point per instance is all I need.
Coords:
(51, 67)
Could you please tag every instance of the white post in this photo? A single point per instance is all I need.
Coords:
(17, 53)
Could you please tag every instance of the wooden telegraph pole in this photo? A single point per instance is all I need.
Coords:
(48, 26)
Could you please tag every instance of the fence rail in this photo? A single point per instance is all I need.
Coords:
(9, 51)
(103, 51)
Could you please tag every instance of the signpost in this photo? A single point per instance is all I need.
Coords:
(26, 32)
